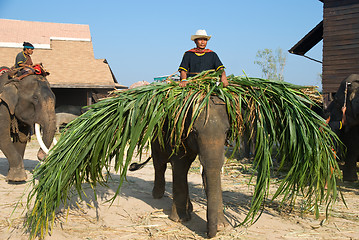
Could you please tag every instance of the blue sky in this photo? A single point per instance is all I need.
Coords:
(144, 39)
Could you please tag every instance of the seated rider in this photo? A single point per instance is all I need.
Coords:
(23, 58)
(200, 59)
(24, 61)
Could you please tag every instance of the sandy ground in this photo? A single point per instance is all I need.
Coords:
(136, 215)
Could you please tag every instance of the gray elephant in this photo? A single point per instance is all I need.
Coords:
(22, 104)
(207, 140)
(346, 125)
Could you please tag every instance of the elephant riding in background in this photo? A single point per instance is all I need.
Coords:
(206, 139)
(344, 121)
(24, 103)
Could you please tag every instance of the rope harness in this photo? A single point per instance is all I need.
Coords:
(14, 126)
(345, 95)
(16, 134)
(343, 109)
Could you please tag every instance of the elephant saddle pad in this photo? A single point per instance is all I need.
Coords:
(24, 72)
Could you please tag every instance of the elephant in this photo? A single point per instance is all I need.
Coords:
(24, 103)
(346, 123)
(206, 139)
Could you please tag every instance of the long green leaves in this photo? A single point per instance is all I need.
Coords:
(277, 114)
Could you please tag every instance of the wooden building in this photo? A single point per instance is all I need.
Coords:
(66, 51)
(340, 33)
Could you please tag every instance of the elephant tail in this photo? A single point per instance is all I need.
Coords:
(137, 166)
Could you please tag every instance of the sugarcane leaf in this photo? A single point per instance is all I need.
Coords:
(276, 113)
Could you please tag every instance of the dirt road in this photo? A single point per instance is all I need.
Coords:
(136, 215)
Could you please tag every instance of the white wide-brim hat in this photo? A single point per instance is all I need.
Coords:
(200, 34)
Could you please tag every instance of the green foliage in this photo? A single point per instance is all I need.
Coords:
(272, 65)
(113, 128)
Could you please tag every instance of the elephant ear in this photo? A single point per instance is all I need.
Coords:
(9, 96)
(340, 94)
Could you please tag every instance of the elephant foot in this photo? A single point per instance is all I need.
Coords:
(16, 175)
(158, 192)
(350, 177)
(350, 174)
(212, 230)
(189, 206)
(180, 215)
(222, 222)
(221, 225)
(185, 217)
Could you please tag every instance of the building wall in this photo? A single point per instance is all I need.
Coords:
(340, 42)
(7, 56)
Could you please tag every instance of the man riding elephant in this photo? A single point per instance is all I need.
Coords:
(23, 59)
(23, 62)
(207, 140)
(199, 59)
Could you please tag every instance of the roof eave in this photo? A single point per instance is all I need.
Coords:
(88, 86)
(308, 41)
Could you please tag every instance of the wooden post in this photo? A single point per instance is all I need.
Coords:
(89, 97)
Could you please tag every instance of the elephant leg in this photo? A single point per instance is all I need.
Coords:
(350, 169)
(181, 205)
(13, 153)
(159, 159)
(20, 148)
(246, 144)
(20, 144)
(160, 182)
(16, 165)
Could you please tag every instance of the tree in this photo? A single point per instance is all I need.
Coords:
(272, 65)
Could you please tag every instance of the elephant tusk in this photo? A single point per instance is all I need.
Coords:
(39, 138)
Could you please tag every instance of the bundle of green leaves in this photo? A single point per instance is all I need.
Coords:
(112, 129)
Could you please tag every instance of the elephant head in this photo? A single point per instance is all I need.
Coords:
(344, 121)
(353, 99)
(29, 101)
(346, 96)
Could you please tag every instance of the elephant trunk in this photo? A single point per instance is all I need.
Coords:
(211, 130)
(214, 198)
(212, 160)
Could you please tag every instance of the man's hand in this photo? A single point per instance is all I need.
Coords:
(224, 79)
(183, 83)
(225, 82)
(344, 118)
(183, 77)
